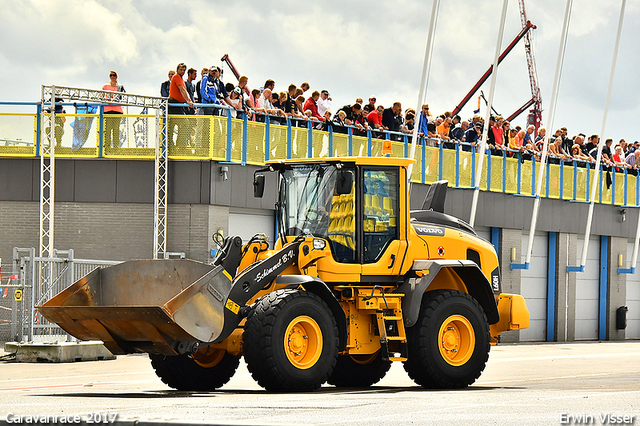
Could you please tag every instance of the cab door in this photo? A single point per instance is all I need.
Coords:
(381, 247)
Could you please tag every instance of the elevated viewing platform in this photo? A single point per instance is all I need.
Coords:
(222, 138)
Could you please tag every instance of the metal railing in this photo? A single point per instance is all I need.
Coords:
(243, 141)
(25, 323)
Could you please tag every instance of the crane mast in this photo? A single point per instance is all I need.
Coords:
(535, 114)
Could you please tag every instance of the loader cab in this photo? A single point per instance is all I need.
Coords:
(355, 207)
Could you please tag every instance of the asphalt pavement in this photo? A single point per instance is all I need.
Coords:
(526, 384)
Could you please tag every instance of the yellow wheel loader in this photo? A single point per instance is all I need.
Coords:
(355, 281)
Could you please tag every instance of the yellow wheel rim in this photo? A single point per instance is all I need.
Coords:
(208, 357)
(456, 340)
(303, 342)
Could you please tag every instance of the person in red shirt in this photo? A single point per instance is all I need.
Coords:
(178, 95)
(311, 104)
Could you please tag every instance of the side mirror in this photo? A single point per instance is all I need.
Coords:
(258, 186)
(344, 182)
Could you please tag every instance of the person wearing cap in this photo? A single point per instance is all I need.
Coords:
(324, 103)
(221, 91)
(471, 136)
(371, 106)
(235, 101)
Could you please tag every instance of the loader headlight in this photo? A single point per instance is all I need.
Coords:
(319, 244)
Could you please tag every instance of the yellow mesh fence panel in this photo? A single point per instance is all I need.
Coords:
(581, 184)
(496, 174)
(431, 164)
(75, 135)
(188, 137)
(631, 191)
(278, 142)
(299, 142)
(466, 171)
(17, 134)
(483, 176)
(136, 136)
(449, 166)
(416, 173)
(567, 185)
(511, 184)
(607, 190)
(340, 145)
(397, 149)
(525, 179)
(360, 147)
(218, 132)
(320, 144)
(255, 142)
(554, 181)
(619, 189)
(236, 140)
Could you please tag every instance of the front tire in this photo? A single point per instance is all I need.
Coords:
(290, 341)
(359, 371)
(208, 371)
(449, 344)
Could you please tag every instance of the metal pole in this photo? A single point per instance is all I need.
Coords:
(423, 85)
(485, 130)
(554, 101)
(596, 175)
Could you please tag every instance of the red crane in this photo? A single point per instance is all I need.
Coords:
(527, 26)
(535, 114)
(233, 69)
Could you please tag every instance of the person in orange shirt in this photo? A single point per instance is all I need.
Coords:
(111, 136)
(178, 95)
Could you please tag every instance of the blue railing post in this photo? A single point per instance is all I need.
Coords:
(587, 196)
(613, 185)
(310, 140)
(101, 134)
(600, 180)
(488, 171)
(406, 147)
(624, 201)
(350, 133)
(457, 164)
(473, 166)
(369, 143)
(533, 176)
(244, 139)
(561, 179)
(38, 127)
(288, 138)
(267, 138)
(330, 141)
(548, 179)
(575, 179)
(519, 175)
(423, 176)
(440, 160)
(504, 170)
(638, 189)
(229, 125)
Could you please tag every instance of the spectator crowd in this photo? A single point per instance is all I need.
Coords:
(446, 129)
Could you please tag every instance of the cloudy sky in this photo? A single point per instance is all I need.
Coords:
(347, 47)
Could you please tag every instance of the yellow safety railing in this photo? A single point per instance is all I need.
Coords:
(224, 139)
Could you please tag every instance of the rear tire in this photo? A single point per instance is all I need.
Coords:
(185, 373)
(359, 371)
(290, 341)
(449, 344)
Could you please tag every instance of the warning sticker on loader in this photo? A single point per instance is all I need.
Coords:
(17, 295)
(232, 306)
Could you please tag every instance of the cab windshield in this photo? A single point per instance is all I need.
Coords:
(306, 194)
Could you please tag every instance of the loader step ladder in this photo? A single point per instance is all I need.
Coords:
(391, 327)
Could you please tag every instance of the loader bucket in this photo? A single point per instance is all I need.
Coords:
(144, 305)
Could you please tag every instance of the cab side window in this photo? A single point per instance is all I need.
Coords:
(380, 211)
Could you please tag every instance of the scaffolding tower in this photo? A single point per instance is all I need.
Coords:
(52, 96)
